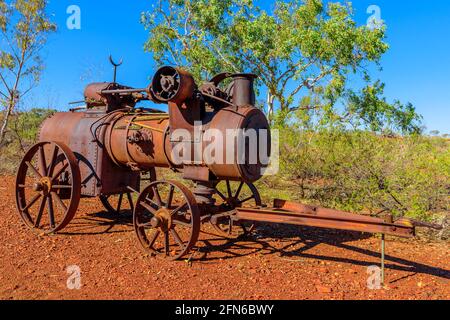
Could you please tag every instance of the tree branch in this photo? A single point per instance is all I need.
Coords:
(224, 58)
(5, 84)
(306, 108)
(311, 83)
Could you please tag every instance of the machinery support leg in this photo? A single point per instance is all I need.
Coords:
(383, 247)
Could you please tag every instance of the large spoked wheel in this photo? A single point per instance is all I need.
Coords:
(48, 187)
(235, 195)
(119, 203)
(123, 202)
(167, 219)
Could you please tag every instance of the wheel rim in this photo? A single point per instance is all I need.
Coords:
(115, 204)
(48, 187)
(234, 195)
(167, 219)
(118, 203)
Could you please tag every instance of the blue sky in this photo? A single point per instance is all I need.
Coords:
(416, 69)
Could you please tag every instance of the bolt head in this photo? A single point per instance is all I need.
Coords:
(38, 187)
(155, 222)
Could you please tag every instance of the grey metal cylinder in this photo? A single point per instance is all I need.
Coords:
(243, 90)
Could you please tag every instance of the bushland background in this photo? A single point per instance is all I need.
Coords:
(352, 170)
(342, 147)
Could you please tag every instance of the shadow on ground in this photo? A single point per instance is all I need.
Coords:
(292, 243)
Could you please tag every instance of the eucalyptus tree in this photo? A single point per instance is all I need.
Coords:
(304, 53)
(24, 27)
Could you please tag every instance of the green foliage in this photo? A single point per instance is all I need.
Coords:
(24, 26)
(22, 134)
(26, 124)
(370, 107)
(302, 49)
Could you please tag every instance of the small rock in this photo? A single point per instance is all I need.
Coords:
(323, 289)
(323, 270)
(421, 284)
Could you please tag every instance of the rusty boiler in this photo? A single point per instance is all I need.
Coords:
(110, 150)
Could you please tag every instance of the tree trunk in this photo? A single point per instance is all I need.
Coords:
(5, 122)
(270, 99)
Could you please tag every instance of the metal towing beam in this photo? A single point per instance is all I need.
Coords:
(286, 212)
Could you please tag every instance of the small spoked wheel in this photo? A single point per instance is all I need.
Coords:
(235, 195)
(48, 187)
(167, 219)
(123, 202)
(119, 203)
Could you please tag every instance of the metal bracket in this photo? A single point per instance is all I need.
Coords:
(115, 66)
(383, 250)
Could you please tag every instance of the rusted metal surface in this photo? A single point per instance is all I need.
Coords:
(234, 195)
(84, 133)
(96, 95)
(303, 215)
(173, 85)
(48, 180)
(247, 117)
(104, 148)
(167, 219)
(139, 141)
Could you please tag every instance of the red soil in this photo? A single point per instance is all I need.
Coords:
(278, 262)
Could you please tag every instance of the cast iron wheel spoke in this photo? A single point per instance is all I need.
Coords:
(177, 238)
(32, 202)
(33, 170)
(170, 197)
(145, 225)
(60, 171)
(152, 203)
(48, 156)
(42, 164)
(51, 213)
(246, 199)
(40, 212)
(179, 208)
(182, 223)
(236, 196)
(148, 207)
(24, 186)
(221, 195)
(164, 220)
(225, 225)
(153, 238)
(61, 187)
(157, 195)
(51, 168)
(59, 201)
(119, 204)
(230, 193)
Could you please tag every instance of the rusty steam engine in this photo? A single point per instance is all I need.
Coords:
(110, 148)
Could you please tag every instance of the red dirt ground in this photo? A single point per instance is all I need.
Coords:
(278, 262)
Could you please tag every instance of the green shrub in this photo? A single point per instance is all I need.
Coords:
(357, 171)
(22, 133)
(363, 172)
